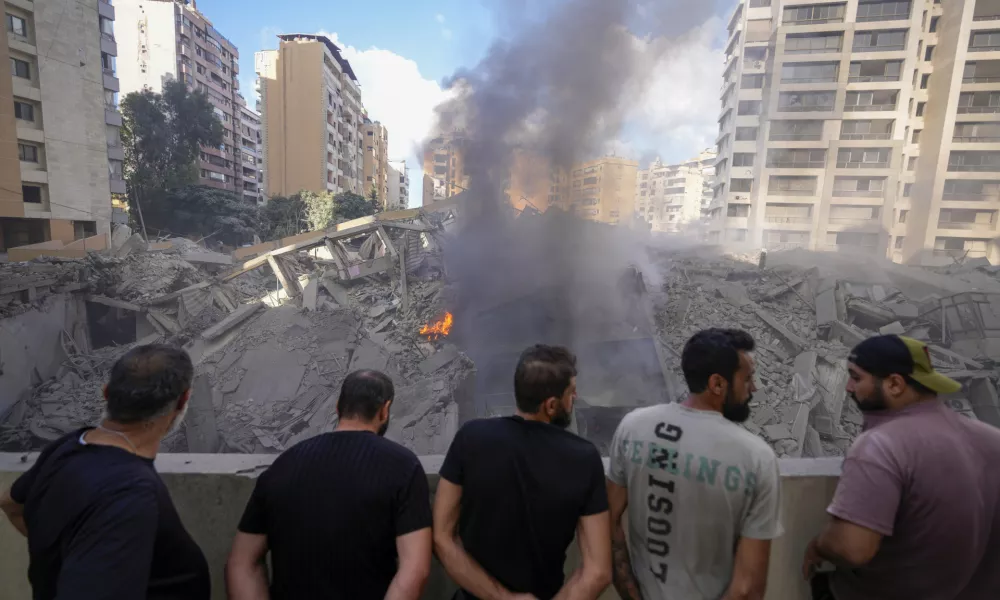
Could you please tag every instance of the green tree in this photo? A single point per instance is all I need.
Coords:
(204, 212)
(161, 137)
(349, 206)
(320, 212)
(281, 216)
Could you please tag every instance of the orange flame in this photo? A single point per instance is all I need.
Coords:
(438, 328)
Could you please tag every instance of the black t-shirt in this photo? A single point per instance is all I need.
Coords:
(332, 507)
(101, 525)
(525, 486)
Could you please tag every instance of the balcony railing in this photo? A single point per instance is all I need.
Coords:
(858, 193)
(968, 110)
(749, 63)
(986, 18)
(893, 48)
(839, 19)
(983, 48)
(787, 164)
(981, 79)
(795, 137)
(826, 79)
(868, 107)
(791, 192)
(993, 168)
(970, 197)
(965, 225)
(978, 139)
(854, 219)
(814, 50)
(871, 78)
(862, 165)
(873, 18)
(961, 253)
(865, 136)
(802, 108)
(792, 220)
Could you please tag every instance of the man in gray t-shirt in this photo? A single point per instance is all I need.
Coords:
(703, 495)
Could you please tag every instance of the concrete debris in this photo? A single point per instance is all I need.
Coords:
(892, 328)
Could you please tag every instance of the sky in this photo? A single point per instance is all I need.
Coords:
(403, 50)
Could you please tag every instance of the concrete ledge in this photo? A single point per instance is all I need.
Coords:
(211, 490)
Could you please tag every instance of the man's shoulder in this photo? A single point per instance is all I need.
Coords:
(494, 430)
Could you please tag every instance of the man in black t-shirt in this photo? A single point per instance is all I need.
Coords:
(514, 490)
(338, 511)
(99, 521)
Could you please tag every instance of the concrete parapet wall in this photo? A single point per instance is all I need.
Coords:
(211, 490)
(58, 249)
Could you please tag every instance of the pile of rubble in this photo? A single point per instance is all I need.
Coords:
(806, 319)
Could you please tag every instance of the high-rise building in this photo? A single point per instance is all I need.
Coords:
(311, 117)
(399, 185)
(170, 39)
(376, 160)
(604, 190)
(669, 197)
(861, 125)
(444, 164)
(534, 182)
(252, 165)
(60, 149)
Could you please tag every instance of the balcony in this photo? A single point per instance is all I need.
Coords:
(974, 168)
(795, 137)
(806, 108)
(865, 136)
(117, 185)
(105, 9)
(858, 193)
(966, 225)
(961, 253)
(112, 117)
(786, 164)
(788, 220)
(110, 81)
(978, 110)
(871, 78)
(970, 197)
(975, 139)
(862, 165)
(853, 220)
(868, 107)
(986, 18)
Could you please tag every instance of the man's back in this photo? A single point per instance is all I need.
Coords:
(332, 508)
(525, 486)
(696, 484)
(936, 501)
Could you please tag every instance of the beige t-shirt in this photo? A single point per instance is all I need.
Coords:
(696, 484)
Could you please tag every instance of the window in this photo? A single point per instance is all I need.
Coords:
(911, 163)
(974, 161)
(589, 181)
(883, 11)
(819, 13)
(27, 153)
(17, 25)
(978, 102)
(929, 54)
(874, 70)
(813, 43)
(984, 40)
(907, 188)
(902, 215)
(799, 131)
(809, 72)
(916, 136)
(746, 134)
(752, 82)
(748, 107)
(854, 158)
(934, 24)
(107, 27)
(899, 242)
(20, 68)
(796, 158)
(738, 210)
(924, 80)
(806, 101)
(24, 111)
(32, 193)
(107, 62)
(858, 187)
(743, 159)
(976, 132)
(880, 41)
(920, 108)
(874, 100)
(789, 185)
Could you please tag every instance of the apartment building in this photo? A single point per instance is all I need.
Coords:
(376, 160)
(252, 164)
(603, 189)
(312, 119)
(535, 183)
(60, 149)
(444, 167)
(170, 39)
(669, 198)
(861, 125)
(399, 185)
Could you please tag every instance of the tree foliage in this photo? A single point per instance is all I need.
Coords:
(352, 206)
(204, 212)
(161, 137)
(320, 212)
(281, 216)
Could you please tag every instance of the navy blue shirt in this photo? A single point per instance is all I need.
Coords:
(101, 525)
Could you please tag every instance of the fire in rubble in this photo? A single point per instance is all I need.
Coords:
(436, 329)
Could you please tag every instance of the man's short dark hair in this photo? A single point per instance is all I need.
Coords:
(147, 382)
(363, 394)
(542, 372)
(713, 352)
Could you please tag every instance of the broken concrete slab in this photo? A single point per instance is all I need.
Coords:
(793, 342)
(200, 428)
(777, 432)
(272, 374)
(310, 294)
(336, 291)
(903, 310)
(441, 358)
(847, 335)
(812, 446)
(871, 316)
(826, 307)
(893, 328)
(799, 426)
(984, 400)
(734, 293)
(369, 355)
(208, 257)
(762, 416)
(222, 327)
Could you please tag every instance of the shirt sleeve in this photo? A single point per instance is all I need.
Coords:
(413, 506)
(617, 457)
(22, 486)
(254, 519)
(453, 468)
(110, 555)
(597, 495)
(763, 521)
(869, 489)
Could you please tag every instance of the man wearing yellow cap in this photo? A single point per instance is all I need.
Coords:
(916, 513)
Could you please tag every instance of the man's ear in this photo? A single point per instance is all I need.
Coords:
(550, 406)
(384, 411)
(717, 384)
(894, 384)
(183, 400)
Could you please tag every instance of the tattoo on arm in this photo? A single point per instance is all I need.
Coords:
(622, 575)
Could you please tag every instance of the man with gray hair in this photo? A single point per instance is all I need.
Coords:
(98, 518)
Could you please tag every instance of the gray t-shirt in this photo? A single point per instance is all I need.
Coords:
(696, 484)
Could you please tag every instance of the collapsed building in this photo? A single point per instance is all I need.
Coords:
(445, 306)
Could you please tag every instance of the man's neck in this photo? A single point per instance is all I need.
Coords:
(698, 402)
(142, 439)
(539, 417)
(356, 425)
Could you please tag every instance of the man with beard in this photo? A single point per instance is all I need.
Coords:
(703, 494)
(345, 515)
(99, 521)
(514, 490)
(916, 513)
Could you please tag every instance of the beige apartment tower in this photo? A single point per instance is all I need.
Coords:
(603, 190)
(311, 118)
(669, 198)
(60, 149)
(444, 168)
(861, 126)
(376, 161)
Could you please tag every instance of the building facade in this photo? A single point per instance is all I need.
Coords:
(669, 198)
(252, 164)
(603, 190)
(399, 185)
(862, 126)
(376, 161)
(170, 39)
(60, 148)
(312, 118)
(444, 166)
